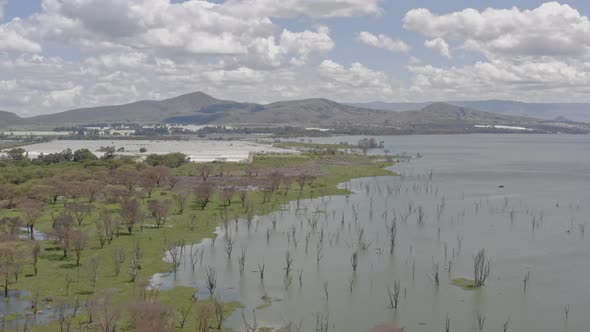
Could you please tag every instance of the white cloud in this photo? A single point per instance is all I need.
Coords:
(414, 60)
(522, 80)
(552, 29)
(63, 98)
(310, 8)
(354, 83)
(540, 54)
(383, 41)
(440, 45)
(303, 43)
(12, 38)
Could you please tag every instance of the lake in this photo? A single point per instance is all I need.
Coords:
(523, 198)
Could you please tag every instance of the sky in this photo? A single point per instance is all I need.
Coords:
(57, 55)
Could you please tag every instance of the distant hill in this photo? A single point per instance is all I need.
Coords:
(140, 111)
(11, 119)
(200, 108)
(548, 111)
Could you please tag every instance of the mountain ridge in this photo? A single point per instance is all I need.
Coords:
(547, 111)
(203, 109)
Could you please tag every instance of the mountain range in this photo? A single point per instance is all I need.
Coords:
(548, 111)
(200, 108)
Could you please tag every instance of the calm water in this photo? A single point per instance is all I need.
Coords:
(546, 183)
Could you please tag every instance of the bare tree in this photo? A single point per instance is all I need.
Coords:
(151, 316)
(159, 210)
(93, 270)
(505, 326)
(420, 215)
(392, 232)
(175, 250)
(79, 211)
(210, 279)
(261, 271)
(322, 323)
(183, 312)
(118, 258)
(106, 314)
(250, 327)
(32, 211)
(435, 274)
(243, 194)
(242, 260)
(354, 260)
(63, 227)
(66, 311)
(172, 181)
(180, 197)
(393, 295)
(481, 321)
(79, 241)
(227, 194)
(288, 263)
(204, 313)
(36, 253)
(228, 244)
(9, 228)
(319, 255)
(132, 214)
(106, 228)
(203, 193)
(135, 263)
(7, 267)
(204, 171)
(219, 313)
(481, 268)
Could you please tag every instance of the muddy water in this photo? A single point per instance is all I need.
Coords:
(457, 185)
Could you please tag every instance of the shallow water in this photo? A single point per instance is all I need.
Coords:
(546, 183)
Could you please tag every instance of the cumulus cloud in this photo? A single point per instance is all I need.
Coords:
(134, 49)
(310, 8)
(439, 45)
(354, 83)
(552, 29)
(303, 43)
(382, 41)
(535, 54)
(12, 38)
(539, 81)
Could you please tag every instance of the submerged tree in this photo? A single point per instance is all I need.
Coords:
(32, 211)
(481, 268)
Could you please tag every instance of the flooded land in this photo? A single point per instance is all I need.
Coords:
(523, 199)
(470, 233)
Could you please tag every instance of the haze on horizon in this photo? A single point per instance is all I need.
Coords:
(62, 54)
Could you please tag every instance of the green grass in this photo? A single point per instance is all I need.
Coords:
(54, 269)
(301, 145)
(464, 283)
